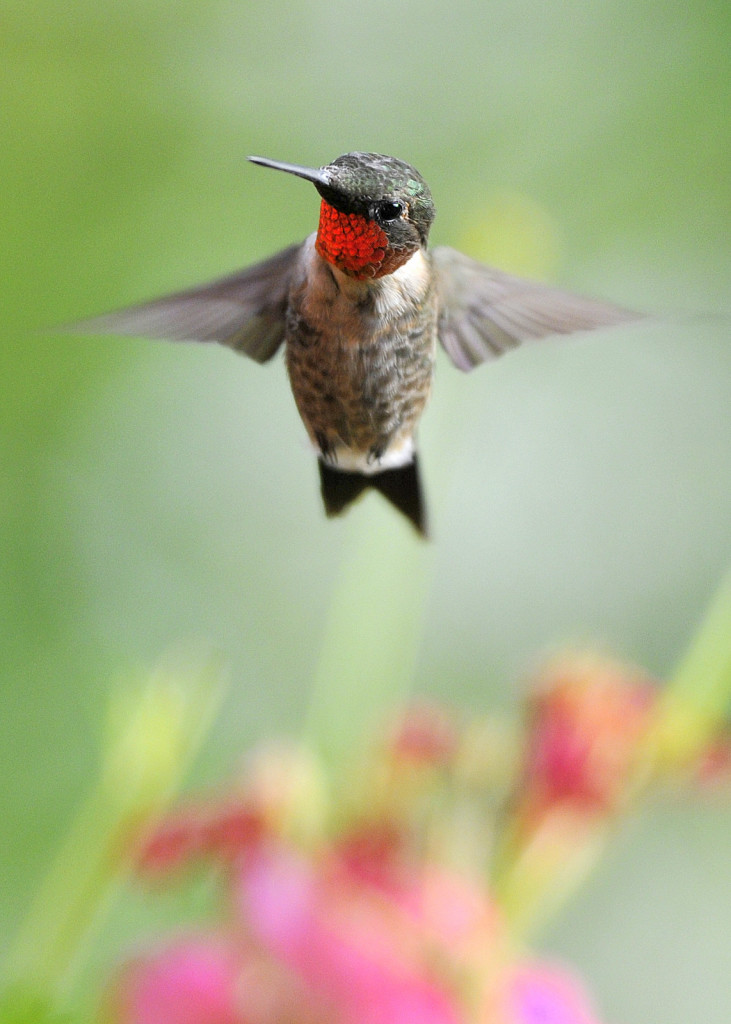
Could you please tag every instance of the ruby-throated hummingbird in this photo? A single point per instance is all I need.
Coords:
(360, 306)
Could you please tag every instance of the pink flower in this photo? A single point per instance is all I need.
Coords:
(362, 924)
(193, 981)
(588, 718)
(359, 934)
(348, 942)
(536, 994)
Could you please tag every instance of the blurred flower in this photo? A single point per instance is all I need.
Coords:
(192, 981)
(360, 927)
(380, 937)
(714, 767)
(536, 994)
(586, 721)
(357, 934)
(219, 832)
(426, 735)
(368, 903)
(585, 726)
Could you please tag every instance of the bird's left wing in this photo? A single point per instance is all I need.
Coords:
(245, 311)
(485, 312)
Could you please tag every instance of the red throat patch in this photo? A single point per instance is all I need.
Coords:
(355, 245)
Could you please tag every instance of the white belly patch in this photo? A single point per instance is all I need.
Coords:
(349, 461)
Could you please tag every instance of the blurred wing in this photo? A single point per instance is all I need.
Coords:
(245, 311)
(484, 312)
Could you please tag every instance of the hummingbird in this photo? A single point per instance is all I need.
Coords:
(360, 306)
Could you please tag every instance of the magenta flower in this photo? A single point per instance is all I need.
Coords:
(537, 994)
(349, 944)
(363, 923)
(192, 981)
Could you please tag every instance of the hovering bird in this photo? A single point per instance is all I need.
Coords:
(360, 306)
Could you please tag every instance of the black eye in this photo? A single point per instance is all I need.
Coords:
(390, 210)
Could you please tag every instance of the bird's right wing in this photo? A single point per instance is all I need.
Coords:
(484, 312)
(245, 311)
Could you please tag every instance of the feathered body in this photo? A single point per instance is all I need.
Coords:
(360, 306)
(360, 357)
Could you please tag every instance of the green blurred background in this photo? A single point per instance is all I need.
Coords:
(580, 491)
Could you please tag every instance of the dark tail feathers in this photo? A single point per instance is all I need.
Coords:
(401, 486)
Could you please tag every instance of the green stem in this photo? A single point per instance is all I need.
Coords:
(698, 696)
(153, 735)
(371, 639)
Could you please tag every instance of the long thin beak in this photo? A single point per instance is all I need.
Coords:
(318, 175)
